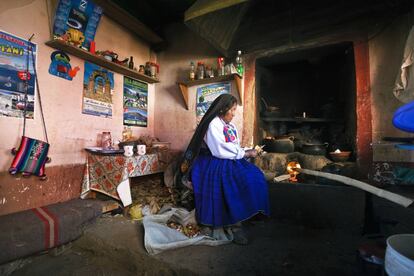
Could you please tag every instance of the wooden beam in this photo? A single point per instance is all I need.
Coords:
(396, 198)
(128, 21)
(184, 92)
(219, 28)
(363, 107)
(202, 7)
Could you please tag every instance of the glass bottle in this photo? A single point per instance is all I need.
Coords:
(192, 71)
(239, 63)
(131, 63)
(200, 70)
(106, 140)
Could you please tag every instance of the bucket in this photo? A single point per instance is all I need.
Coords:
(399, 255)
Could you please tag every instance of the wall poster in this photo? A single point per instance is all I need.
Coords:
(98, 84)
(77, 19)
(13, 59)
(135, 102)
(207, 94)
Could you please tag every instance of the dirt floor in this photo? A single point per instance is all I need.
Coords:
(114, 245)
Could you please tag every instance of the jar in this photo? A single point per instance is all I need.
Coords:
(147, 69)
(126, 134)
(106, 140)
(209, 72)
(141, 69)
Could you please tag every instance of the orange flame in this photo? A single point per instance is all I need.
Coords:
(291, 166)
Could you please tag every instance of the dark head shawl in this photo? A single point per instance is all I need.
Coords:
(219, 107)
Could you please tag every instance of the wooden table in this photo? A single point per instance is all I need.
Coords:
(109, 174)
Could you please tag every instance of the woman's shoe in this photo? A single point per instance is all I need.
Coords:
(206, 231)
(239, 236)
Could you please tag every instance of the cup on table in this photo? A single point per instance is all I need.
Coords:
(141, 149)
(128, 150)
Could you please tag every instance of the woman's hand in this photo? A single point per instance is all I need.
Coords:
(250, 153)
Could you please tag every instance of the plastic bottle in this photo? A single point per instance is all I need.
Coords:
(239, 63)
(192, 71)
(209, 72)
(220, 66)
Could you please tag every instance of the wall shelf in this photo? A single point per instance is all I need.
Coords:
(98, 60)
(186, 84)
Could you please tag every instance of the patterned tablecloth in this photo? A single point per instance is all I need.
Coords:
(109, 174)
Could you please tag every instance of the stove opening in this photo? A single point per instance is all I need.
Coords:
(308, 101)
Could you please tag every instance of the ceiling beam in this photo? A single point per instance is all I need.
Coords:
(128, 21)
(202, 7)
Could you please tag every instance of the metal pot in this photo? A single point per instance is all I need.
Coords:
(281, 144)
(314, 149)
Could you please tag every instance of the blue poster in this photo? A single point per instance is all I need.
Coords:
(135, 102)
(207, 94)
(77, 17)
(13, 60)
(98, 84)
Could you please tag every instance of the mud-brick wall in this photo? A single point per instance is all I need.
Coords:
(378, 59)
(174, 123)
(69, 130)
(386, 53)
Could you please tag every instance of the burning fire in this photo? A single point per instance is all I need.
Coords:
(291, 166)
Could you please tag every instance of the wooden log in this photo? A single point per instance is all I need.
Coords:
(396, 198)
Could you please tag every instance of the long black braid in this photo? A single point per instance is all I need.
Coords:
(219, 107)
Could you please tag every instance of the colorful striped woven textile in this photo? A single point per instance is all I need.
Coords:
(30, 157)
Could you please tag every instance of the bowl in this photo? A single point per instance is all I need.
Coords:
(342, 156)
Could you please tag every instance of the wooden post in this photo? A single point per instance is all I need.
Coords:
(363, 108)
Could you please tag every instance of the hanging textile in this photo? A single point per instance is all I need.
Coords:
(404, 84)
(31, 156)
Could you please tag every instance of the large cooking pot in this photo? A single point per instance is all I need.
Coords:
(314, 149)
(281, 144)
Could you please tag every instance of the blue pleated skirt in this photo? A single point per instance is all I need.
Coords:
(227, 191)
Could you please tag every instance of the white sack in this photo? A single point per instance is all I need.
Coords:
(159, 237)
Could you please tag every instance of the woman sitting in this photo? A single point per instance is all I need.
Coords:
(227, 188)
